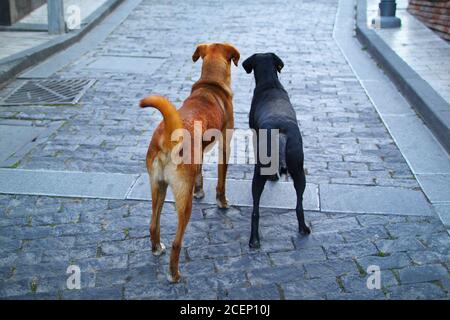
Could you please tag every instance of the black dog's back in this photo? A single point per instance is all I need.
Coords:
(272, 109)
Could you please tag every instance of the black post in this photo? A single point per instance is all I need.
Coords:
(56, 23)
(387, 18)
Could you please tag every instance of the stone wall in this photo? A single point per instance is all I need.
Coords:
(434, 13)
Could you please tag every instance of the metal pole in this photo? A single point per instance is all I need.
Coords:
(55, 10)
(387, 18)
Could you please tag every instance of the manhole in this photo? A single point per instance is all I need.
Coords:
(49, 92)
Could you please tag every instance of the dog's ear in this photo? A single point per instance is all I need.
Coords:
(248, 64)
(199, 52)
(233, 54)
(279, 64)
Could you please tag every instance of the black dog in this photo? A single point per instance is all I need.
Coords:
(272, 109)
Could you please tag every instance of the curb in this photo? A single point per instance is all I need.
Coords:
(330, 198)
(429, 105)
(16, 63)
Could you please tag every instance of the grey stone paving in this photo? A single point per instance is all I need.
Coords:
(345, 143)
(109, 241)
(345, 140)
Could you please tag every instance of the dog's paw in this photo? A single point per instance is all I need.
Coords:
(304, 229)
(222, 202)
(254, 244)
(199, 194)
(174, 278)
(159, 250)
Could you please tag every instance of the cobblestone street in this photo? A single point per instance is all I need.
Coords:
(345, 143)
(109, 241)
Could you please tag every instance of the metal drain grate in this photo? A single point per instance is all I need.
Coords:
(48, 92)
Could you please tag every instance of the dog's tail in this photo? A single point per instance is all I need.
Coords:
(282, 165)
(172, 120)
(282, 155)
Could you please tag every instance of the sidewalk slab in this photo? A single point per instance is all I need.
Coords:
(66, 184)
(428, 103)
(26, 137)
(386, 97)
(125, 64)
(22, 135)
(443, 211)
(276, 194)
(325, 197)
(437, 186)
(418, 145)
(379, 200)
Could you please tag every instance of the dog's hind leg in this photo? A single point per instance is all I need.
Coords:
(258, 184)
(298, 175)
(198, 189)
(183, 192)
(159, 189)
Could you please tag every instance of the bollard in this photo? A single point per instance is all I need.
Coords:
(387, 18)
(55, 10)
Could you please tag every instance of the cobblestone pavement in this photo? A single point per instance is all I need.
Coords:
(345, 142)
(108, 240)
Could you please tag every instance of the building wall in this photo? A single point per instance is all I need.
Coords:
(434, 13)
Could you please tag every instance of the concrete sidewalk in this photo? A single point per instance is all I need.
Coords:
(423, 50)
(416, 60)
(27, 42)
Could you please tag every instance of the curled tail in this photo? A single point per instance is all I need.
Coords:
(172, 120)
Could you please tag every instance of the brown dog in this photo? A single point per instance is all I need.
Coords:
(209, 104)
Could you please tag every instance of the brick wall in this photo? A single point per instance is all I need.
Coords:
(434, 13)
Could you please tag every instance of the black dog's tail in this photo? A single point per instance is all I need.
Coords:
(282, 165)
(282, 154)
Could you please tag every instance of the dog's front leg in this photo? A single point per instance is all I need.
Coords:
(299, 184)
(224, 157)
(198, 189)
(258, 184)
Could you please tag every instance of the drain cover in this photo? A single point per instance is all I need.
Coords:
(49, 92)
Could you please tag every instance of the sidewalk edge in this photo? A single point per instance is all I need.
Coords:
(429, 105)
